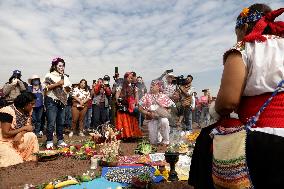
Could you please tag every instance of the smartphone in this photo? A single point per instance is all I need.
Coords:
(115, 69)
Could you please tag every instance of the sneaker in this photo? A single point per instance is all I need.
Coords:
(62, 145)
(81, 134)
(49, 146)
(70, 134)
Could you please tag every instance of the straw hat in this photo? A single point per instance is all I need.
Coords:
(33, 77)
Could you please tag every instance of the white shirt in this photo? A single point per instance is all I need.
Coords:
(265, 65)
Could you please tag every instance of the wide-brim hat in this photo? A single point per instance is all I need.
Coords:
(33, 77)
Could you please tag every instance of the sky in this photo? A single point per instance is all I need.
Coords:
(93, 36)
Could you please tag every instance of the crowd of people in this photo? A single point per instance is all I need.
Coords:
(78, 108)
(243, 151)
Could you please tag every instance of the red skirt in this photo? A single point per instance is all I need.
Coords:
(128, 124)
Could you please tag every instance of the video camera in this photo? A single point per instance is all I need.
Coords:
(17, 74)
(169, 71)
(180, 80)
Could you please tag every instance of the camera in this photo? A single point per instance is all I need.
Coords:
(169, 71)
(180, 80)
(106, 80)
(121, 106)
(17, 76)
(106, 83)
(205, 90)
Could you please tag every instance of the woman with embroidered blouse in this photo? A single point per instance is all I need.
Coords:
(18, 143)
(252, 71)
(148, 105)
(81, 96)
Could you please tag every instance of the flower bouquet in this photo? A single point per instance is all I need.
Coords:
(109, 152)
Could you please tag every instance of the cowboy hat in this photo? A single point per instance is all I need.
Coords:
(33, 77)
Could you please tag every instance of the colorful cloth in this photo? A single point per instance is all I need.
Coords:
(169, 89)
(100, 183)
(150, 99)
(229, 169)
(10, 155)
(156, 179)
(125, 175)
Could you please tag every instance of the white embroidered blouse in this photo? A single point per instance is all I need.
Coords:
(265, 64)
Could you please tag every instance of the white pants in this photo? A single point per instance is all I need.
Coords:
(159, 125)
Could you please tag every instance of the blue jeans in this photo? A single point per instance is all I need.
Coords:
(205, 116)
(88, 118)
(55, 114)
(99, 115)
(140, 119)
(36, 117)
(187, 113)
(68, 116)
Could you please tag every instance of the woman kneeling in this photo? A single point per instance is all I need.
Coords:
(17, 140)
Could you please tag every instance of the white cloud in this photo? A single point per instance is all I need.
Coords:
(95, 36)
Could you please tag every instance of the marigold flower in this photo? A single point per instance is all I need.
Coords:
(245, 12)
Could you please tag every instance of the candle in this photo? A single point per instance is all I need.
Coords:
(94, 163)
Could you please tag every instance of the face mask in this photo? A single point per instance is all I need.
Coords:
(35, 82)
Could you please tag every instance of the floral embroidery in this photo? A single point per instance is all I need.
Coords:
(149, 99)
(21, 119)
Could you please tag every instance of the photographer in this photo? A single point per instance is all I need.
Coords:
(205, 101)
(14, 87)
(187, 100)
(106, 81)
(101, 93)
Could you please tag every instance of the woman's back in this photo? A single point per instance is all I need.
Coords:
(265, 65)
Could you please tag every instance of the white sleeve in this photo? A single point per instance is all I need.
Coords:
(192, 101)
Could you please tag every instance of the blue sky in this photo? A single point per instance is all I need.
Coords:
(149, 36)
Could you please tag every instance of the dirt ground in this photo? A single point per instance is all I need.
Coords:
(41, 172)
